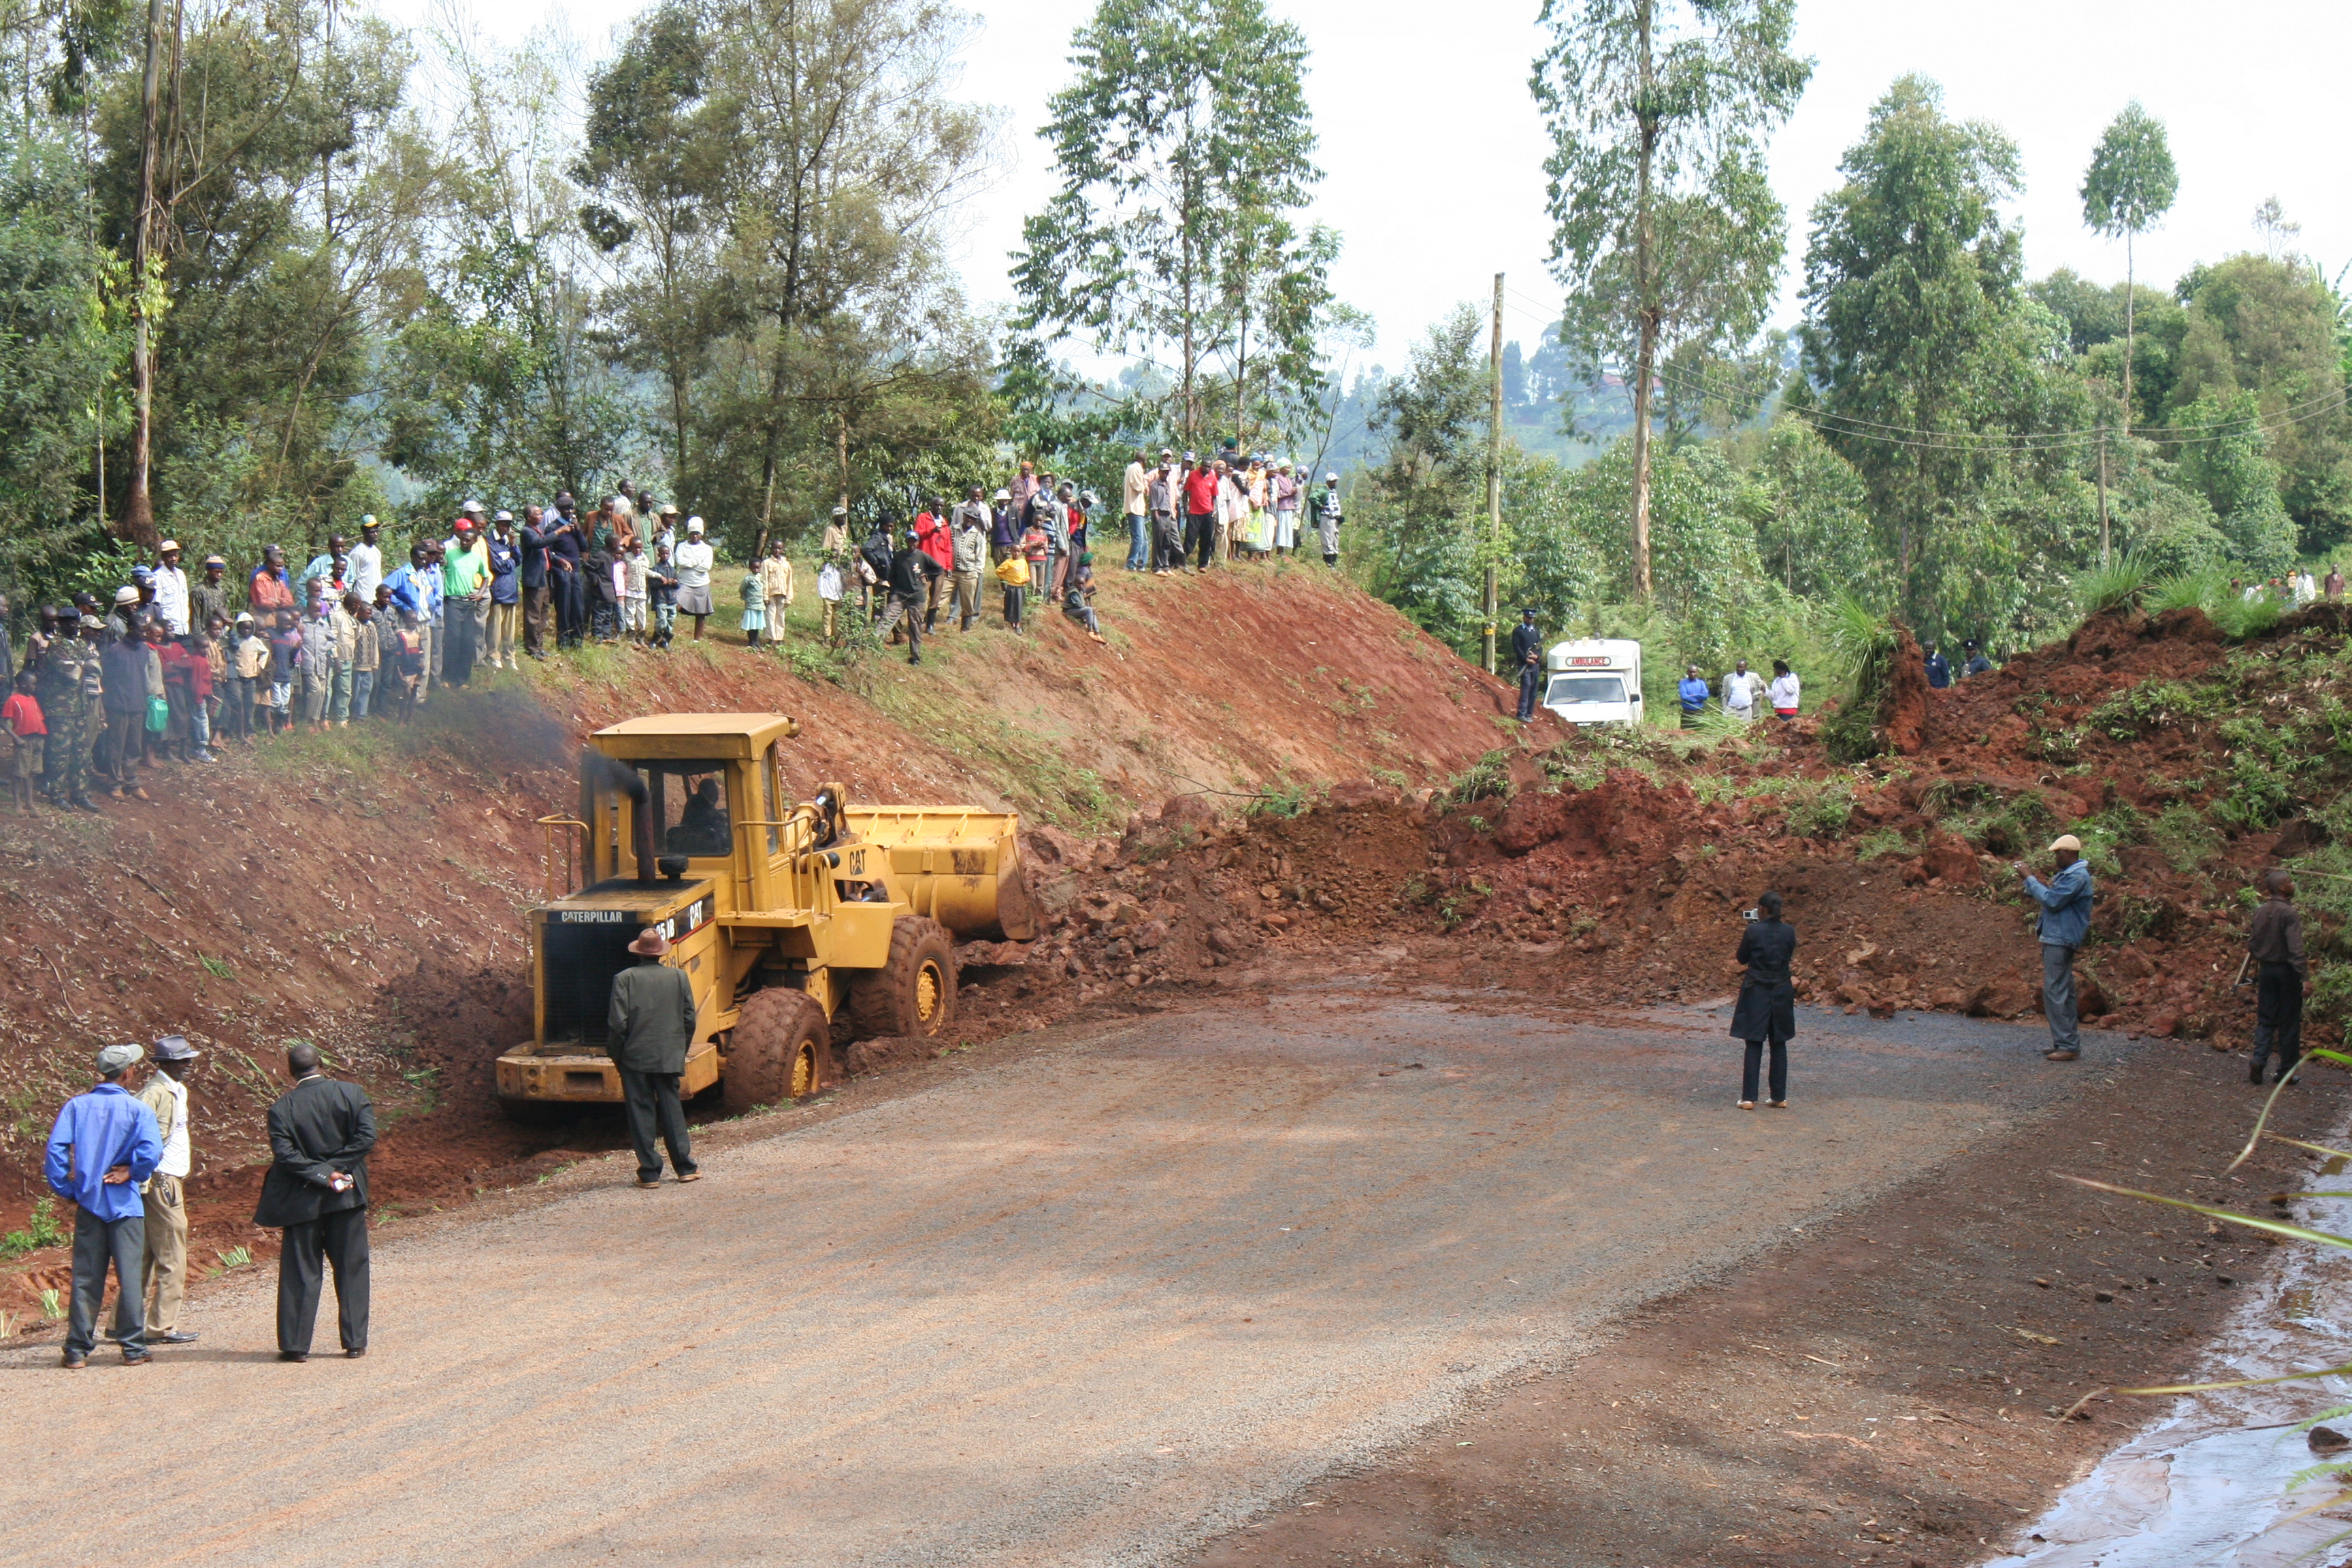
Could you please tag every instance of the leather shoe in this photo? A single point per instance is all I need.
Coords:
(690, 1176)
(293, 1355)
(142, 1359)
(175, 1337)
(354, 1355)
(75, 1361)
(649, 1181)
(2059, 1056)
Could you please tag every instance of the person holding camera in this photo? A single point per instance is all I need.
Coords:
(1766, 1009)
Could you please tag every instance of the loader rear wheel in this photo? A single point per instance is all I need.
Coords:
(780, 1050)
(914, 992)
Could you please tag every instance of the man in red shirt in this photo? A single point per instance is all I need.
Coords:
(938, 553)
(1200, 510)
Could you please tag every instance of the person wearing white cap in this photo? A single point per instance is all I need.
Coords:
(164, 1277)
(172, 588)
(103, 1146)
(1323, 510)
(2065, 921)
(694, 560)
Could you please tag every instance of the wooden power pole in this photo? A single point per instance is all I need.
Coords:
(2106, 540)
(1494, 472)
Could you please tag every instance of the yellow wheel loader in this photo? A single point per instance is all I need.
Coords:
(788, 916)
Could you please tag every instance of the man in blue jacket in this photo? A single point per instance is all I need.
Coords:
(105, 1144)
(1691, 693)
(2066, 902)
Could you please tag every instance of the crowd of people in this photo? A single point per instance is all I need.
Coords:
(174, 664)
(2294, 590)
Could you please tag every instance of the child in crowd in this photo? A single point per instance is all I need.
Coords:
(407, 663)
(755, 606)
(661, 594)
(22, 714)
(829, 589)
(250, 660)
(285, 654)
(1078, 601)
(633, 589)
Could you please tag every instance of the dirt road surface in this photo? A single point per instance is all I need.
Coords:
(1093, 1306)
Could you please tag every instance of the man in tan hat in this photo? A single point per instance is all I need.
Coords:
(649, 1026)
(2066, 902)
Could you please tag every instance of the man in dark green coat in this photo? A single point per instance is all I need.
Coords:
(650, 1025)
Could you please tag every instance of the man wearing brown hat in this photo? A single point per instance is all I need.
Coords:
(164, 1279)
(649, 1028)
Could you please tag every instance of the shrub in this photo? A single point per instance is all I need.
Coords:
(41, 1229)
(1489, 778)
(2181, 837)
(2118, 585)
(1821, 811)
(1878, 844)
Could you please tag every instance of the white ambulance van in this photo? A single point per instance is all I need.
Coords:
(1594, 681)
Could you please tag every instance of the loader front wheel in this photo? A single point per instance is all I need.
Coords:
(780, 1050)
(914, 992)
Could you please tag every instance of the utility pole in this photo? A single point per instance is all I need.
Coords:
(138, 510)
(2107, 550)
(1494, 471)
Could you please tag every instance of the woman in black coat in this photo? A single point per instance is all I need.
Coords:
(1768, 1002)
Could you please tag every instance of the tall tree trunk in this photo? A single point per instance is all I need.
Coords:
(138, 510)
(1646, 360)
(2127, 345)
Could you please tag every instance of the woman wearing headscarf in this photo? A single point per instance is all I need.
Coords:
(1766, 1009)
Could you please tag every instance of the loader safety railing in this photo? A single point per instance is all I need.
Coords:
(559, 841)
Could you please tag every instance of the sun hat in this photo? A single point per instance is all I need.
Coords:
(176, 1049)
(650, 943)
(167, 547)
(217, 561)
(2066, 841)
(126, 596)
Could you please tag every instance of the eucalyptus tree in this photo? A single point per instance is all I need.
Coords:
(2129, 185)
(1666, 228)
(1184, 145)
(852, 156)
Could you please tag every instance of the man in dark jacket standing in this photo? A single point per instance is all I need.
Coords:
(649, 1028)
(538, 597)
(320, 1134)
(1527, 658)
(2275, 938)
(2065, 901)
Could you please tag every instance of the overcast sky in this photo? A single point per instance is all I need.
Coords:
(1433, 153)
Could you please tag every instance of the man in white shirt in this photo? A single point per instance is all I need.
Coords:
(172, 589)
(364, 563)
(164, 1279)
(694, 560)
(1740, 688)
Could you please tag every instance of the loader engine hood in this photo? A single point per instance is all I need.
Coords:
(585, 939)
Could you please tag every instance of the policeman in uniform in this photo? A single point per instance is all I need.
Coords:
(69, 688)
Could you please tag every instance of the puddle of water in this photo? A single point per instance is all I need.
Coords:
(2206, 1485)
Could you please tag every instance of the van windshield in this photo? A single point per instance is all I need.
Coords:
(1572, 688)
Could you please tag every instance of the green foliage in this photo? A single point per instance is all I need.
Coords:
(2120, 585)
(1916, 325)
(2267, 764)
(1489, 778)
(2159, 704)
(1280, 802)
(2131, 180)
(2181, 835)
(41, 1229)
(2241, 619)
(1879, 843)
(1184, 147)
(1666, 228)
(1820, 810)
(2229, 464)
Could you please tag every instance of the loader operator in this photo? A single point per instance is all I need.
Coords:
(702, 828)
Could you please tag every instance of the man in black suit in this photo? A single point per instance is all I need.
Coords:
(320, 1132)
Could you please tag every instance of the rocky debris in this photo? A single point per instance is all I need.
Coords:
(885, 1052)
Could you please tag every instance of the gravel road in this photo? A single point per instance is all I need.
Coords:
(1090, 1308)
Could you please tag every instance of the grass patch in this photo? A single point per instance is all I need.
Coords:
(1489, 778)
(1820, 810)
(41, 1229)
(1879, 843)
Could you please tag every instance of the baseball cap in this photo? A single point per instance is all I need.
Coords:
(694, 526)
(116, 1058)
(92, 624)
(1333, 479)
(1002, 495)
(126, 596)
(503, 516)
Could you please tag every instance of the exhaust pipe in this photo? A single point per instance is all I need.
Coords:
(596, 768)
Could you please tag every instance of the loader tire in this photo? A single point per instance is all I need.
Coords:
(782, 1049)
(913, 993)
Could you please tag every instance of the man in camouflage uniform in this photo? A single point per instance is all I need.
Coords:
(69, 688)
